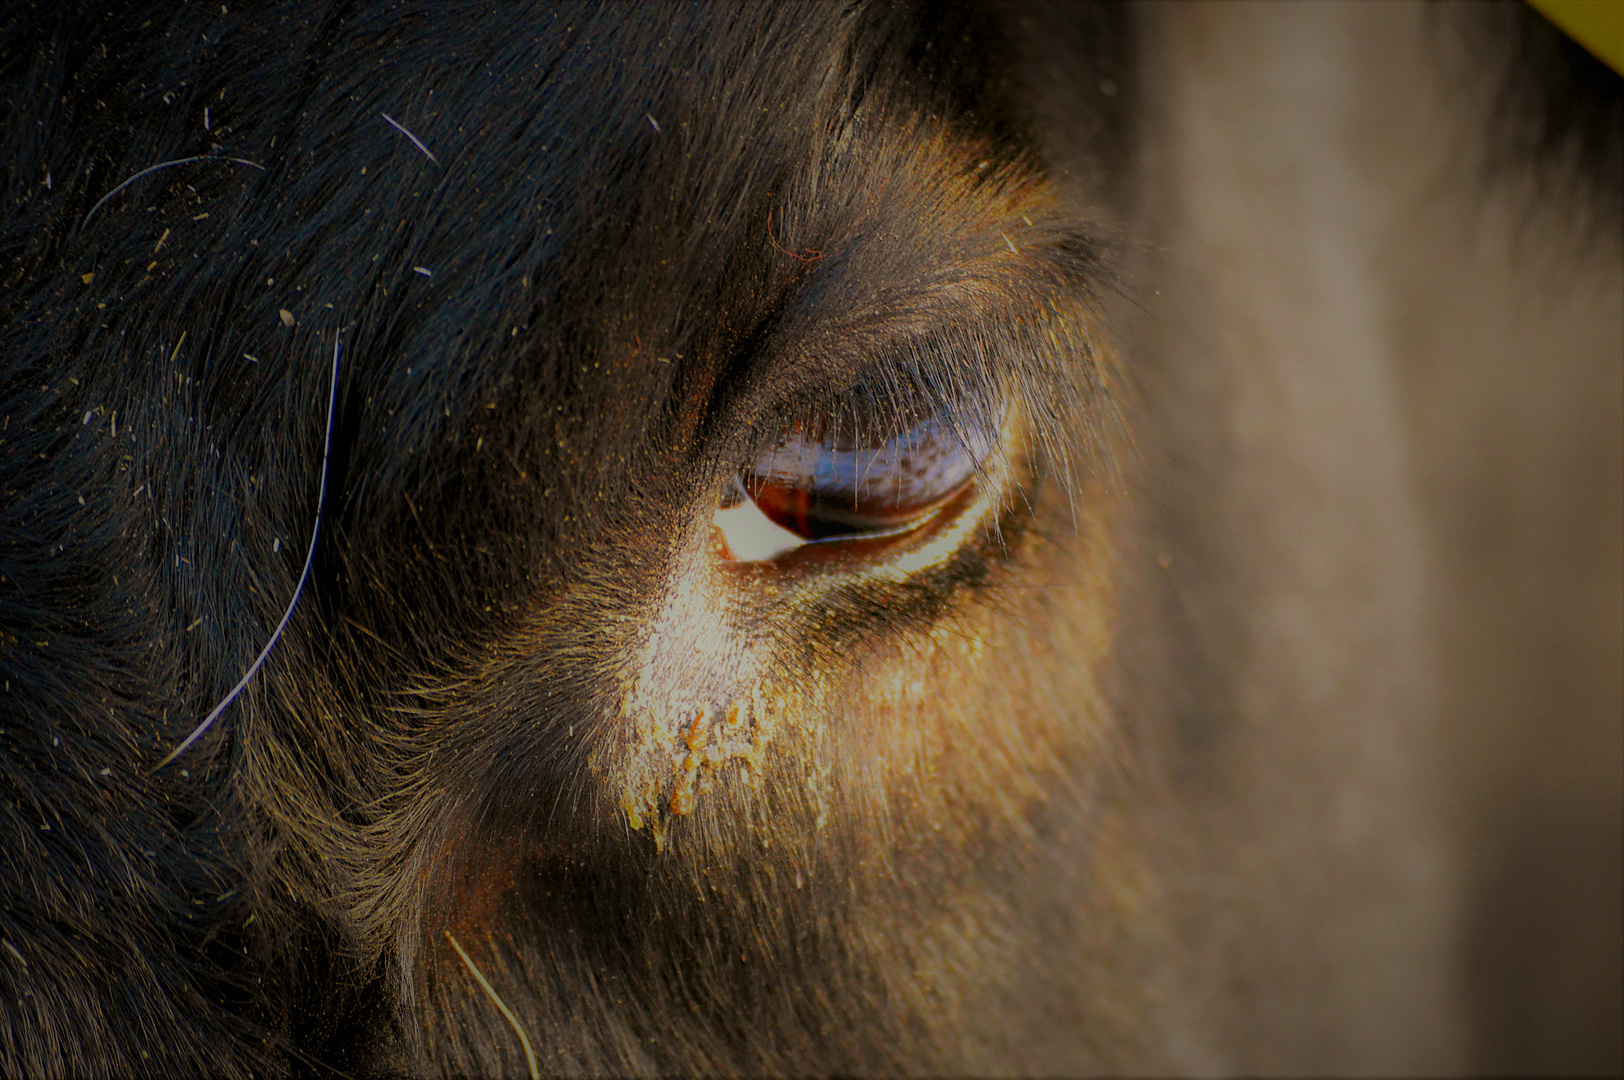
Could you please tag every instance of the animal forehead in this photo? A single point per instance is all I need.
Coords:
(639, 139)
(594, 199)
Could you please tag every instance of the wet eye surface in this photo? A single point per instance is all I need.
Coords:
(859, 472)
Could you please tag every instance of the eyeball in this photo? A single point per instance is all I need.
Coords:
(845, 477)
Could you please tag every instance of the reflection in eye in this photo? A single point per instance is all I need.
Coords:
(828, 480)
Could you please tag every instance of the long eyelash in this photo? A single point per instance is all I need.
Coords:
(1041, 363)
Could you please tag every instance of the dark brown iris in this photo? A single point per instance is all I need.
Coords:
(820, 484)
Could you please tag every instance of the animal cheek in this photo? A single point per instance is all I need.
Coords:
(694, 705)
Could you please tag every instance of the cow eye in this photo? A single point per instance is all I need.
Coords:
(865, 470)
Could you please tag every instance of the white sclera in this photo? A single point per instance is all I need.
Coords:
(750, 535)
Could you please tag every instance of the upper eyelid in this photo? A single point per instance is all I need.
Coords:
(943, 352)
(952, 311)
(933, 380)
(959, 333)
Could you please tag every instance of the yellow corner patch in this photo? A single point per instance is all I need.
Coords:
(1598, 25)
